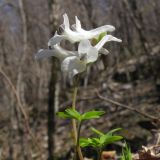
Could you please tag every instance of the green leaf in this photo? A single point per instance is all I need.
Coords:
(112, 139)
(113, 131)
(62, 115)
(84, 142)
(97, 131)
(95, 141)
(92, 115)
(102, 139)
(73, 113)
(70, 113)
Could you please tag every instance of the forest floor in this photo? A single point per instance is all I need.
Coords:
(132, 84)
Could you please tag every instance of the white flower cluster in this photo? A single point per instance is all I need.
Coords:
(75, 62)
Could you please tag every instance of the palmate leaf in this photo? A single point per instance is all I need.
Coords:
(92, 115)
(109, 137)
(101, 140)
(73, 114)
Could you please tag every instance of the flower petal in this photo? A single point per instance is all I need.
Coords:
(44, 53)
(63, 53)
(78, 23)
(73, 66)
(105, 28)
(87, 52)
(73, 27)
(66, 21)
(57, 52)
(92, 55)
(105, 39)
(77, 26)
(55, 39)
(79, 34)
(103, 51)
(84, 46)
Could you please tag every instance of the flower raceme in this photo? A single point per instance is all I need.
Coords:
(75, 62)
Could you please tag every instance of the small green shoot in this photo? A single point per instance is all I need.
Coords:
(126, 153)
(101, 140)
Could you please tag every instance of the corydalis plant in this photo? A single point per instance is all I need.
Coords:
(76, 62)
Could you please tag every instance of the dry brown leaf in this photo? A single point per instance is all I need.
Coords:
(149, 153)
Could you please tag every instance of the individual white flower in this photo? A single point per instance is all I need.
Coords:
(77, 34)
(74, 62)
(57, 51)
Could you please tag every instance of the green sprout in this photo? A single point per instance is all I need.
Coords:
(126, 153)
(101, 140)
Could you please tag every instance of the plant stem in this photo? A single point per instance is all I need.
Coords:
(77, 144)
(73, 120)
(78, 133)
(74, 126)
(99, 151)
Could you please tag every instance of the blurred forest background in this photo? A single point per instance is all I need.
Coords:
(32, 91)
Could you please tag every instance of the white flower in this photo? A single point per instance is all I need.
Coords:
(74, 62)
(57, 52)
(77, 34)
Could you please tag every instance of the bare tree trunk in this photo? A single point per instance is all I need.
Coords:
(52, 100)
(51, 110)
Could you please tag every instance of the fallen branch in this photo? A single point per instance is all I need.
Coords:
(155, 119)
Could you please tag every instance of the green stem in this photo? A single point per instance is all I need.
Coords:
(78, 134)
(74, 126)
(73, 120)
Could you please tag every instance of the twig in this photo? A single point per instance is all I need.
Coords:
(127, 107)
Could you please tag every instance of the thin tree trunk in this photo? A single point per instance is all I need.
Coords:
(51, 111)
(52, 100)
